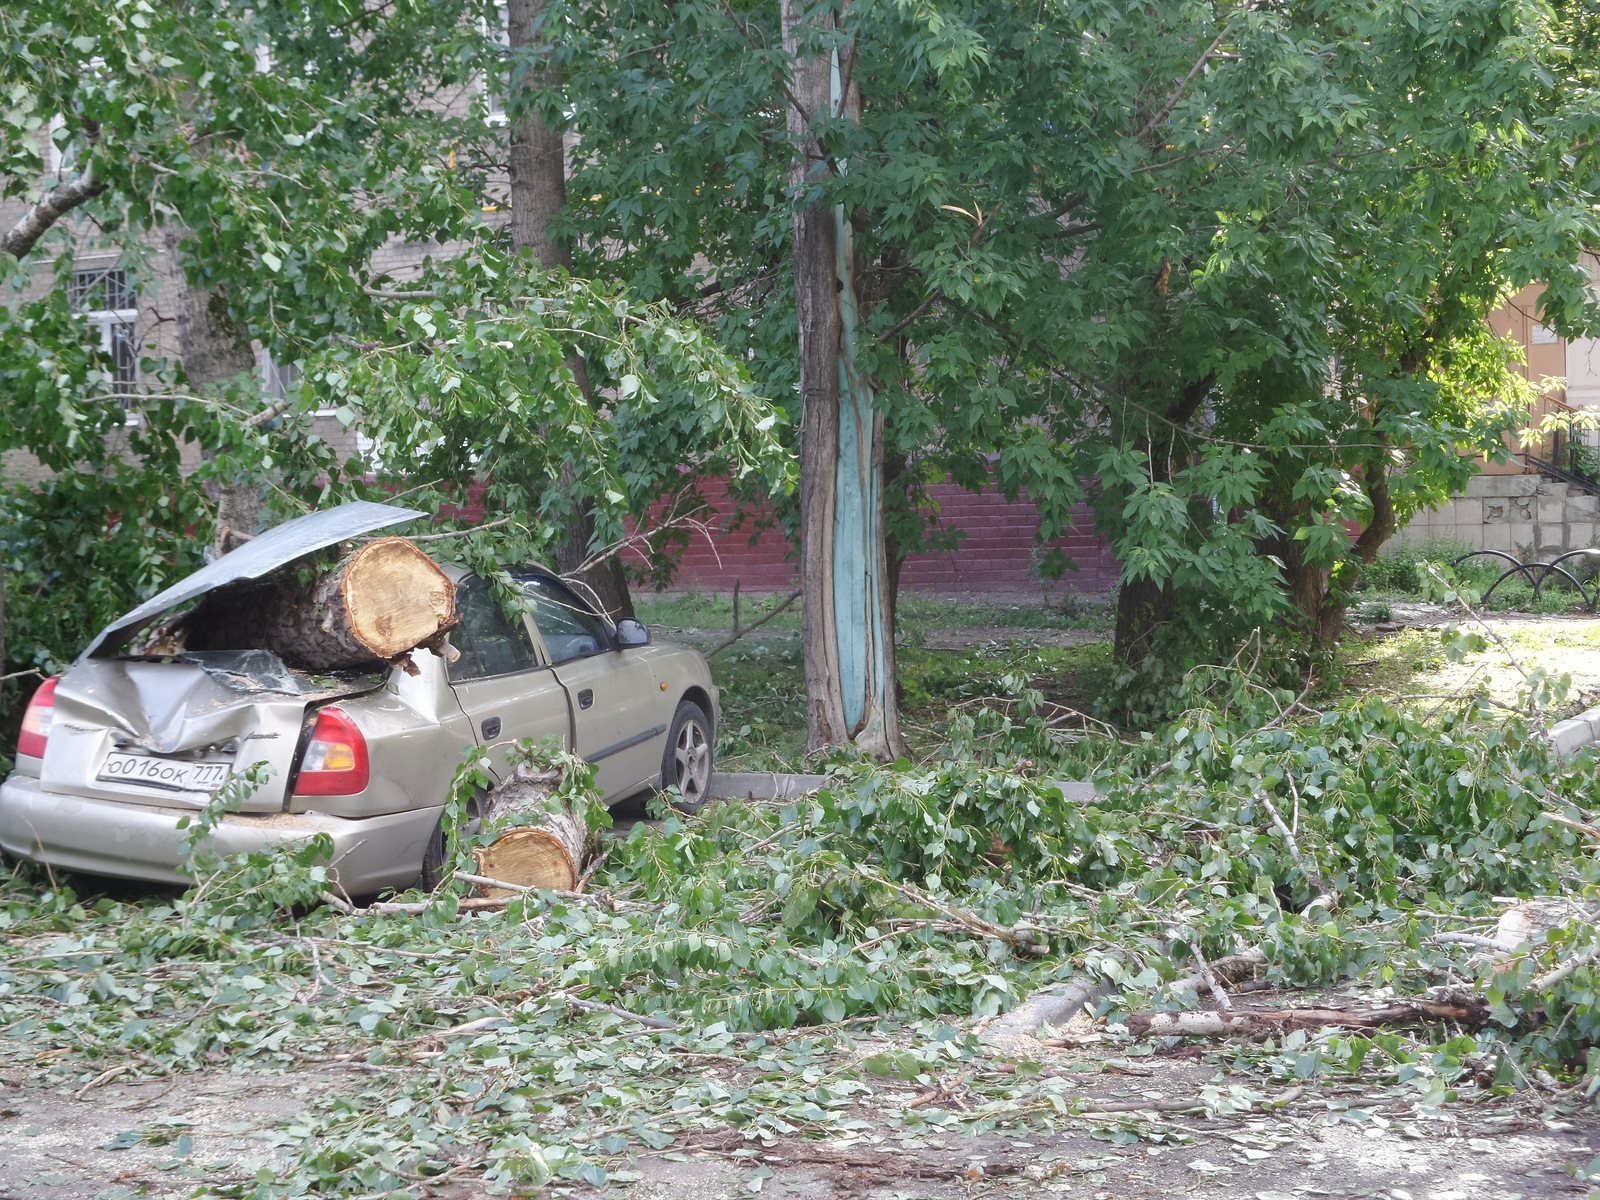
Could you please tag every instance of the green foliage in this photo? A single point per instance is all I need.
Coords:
(899, 894)
(1273, 328)
(461, 378)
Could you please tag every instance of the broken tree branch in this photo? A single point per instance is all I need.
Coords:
(1543, 983)
(1023, 938)
(1579, 826)
(453, 533)
(1230, 970)
(752, 627)
(598, 1006)
(1325, 896)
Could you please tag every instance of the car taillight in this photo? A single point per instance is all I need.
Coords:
(335, 762)
(36, 721)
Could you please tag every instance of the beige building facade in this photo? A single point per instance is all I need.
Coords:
(1514, 507)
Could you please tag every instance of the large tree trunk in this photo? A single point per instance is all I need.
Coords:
(538, 194)
(378, 604)
(1143, 607)
(1319, 606)
(214, 350)
(847, 618)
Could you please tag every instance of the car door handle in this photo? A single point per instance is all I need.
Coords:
(491, 728)
(586, 698)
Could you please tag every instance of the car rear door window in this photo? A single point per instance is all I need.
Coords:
(490, 643)
(565, 623)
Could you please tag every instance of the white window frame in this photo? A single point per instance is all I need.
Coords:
(107, 321)
(493, 103)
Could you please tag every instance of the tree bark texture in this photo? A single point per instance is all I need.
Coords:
(214, 350)
(548, 845)
(36, 221)
(1143, 607)
(1470, 1011)
(538, 158)
(846, 619)
(378, 604)
(538, 194)
(1320, 606)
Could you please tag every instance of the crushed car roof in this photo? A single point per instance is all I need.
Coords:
(277, 547)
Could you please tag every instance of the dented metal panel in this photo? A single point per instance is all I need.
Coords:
(277, 547)
(227, 710)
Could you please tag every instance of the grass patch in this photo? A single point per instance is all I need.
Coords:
(1414, 663)
(763, 693)
(918, 611)
(713, 610)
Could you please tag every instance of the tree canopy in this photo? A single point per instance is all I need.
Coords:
(271, 154)
(1219, 270)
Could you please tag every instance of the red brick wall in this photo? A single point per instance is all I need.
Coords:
(995, 556)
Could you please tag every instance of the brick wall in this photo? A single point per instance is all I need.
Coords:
(995, 557)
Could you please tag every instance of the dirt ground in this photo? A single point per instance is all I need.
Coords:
(1405, 655)
(70, 1143)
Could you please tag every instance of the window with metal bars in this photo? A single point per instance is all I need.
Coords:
(109, 303)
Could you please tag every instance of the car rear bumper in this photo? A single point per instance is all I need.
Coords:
(139, 841)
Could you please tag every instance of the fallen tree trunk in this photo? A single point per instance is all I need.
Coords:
(546, 845)
(1465, 1010)
(376, 605)
(1226, 971)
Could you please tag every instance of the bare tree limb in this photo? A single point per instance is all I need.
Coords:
(271, 413)
(451, 533)
(1325, 894)
(597, 1006)
(1586, 830)
(754, 625)
(1200, 65)
(1465, 1010)
(915, 313)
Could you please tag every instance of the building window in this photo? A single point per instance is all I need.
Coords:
(108, 302)
(496, 29)
(276, 377)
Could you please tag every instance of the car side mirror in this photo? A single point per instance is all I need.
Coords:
(631, 633)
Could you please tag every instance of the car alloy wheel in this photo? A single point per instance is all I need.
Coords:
(692, 754)
(686, 761)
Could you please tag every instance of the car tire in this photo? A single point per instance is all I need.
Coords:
(436, 854)
(686, 762)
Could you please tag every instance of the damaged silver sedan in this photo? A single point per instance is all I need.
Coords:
(119, 747)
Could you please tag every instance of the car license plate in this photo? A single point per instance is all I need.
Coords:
(169, 774)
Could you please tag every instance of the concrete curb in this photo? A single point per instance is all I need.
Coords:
(765, 785)
(1573, 734)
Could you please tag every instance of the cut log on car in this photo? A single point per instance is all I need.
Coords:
(1463, 1009)
(375, 606)
(545, 844)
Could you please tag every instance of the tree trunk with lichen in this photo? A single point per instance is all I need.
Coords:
(847, 614)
